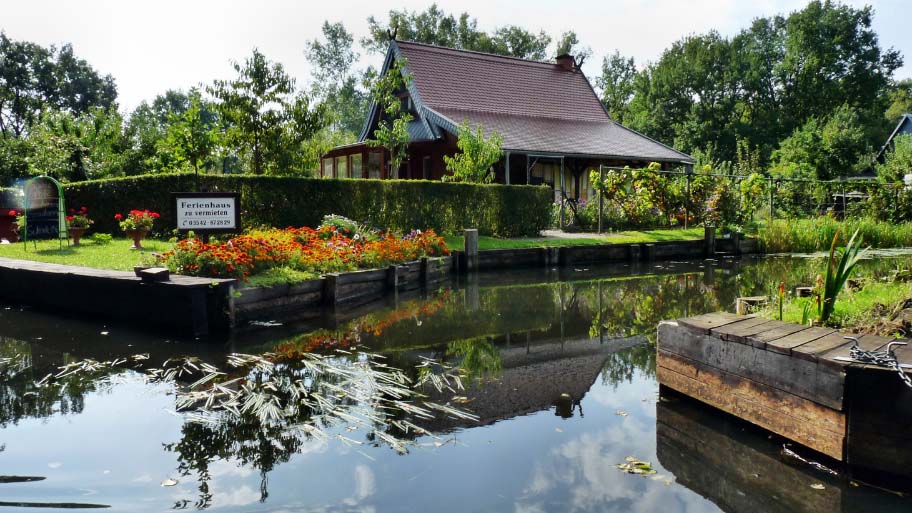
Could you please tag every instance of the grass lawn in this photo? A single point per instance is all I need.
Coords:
(117, 255)
(853, 309)
(628, 237)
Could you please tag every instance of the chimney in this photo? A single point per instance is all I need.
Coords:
(566, 61)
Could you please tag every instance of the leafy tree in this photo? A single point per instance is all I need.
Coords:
(892, 201)
(334, 80)
(833, 147)
(900, 98)
(189, 137)
(34, 79)
(476, 158)
(264, 117)
(436, 27)
(392, 127)
(569, 44)
(616, 84)
(73, 148)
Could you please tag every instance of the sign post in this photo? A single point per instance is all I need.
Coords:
(207, 212)
(45, 211)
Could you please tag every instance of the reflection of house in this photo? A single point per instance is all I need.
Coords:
(903, 127)
(553, 125)
(535, 378)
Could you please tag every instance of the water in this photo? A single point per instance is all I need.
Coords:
(561, 376)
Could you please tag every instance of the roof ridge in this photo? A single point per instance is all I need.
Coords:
(503, 113)
(476, 53)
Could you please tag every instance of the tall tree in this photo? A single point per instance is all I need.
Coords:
(335, 82)
(189, 137)
(436, 27)
(616, 84)
(264, 116)
(569, 44)
(34, 79)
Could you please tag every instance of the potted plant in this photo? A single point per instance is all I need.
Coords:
(137, 224)
(77, 224)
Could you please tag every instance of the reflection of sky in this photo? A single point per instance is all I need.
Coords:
(112, 454)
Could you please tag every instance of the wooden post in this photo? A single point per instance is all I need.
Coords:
(507, 168)
(709, 241)
(601, 199)
(471, 249)
(330, 287)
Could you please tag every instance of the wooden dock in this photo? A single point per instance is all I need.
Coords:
(789, 379)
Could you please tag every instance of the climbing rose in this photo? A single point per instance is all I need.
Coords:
(118, 217)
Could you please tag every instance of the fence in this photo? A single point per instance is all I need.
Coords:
(656, 198)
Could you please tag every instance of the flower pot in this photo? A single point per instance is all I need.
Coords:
(137, 236)
(76, 233)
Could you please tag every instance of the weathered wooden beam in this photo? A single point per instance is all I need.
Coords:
(807, 422)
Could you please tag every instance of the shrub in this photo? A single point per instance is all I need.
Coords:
(812, 235)
(400, 205)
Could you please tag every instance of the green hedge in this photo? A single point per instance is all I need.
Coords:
(501, 210)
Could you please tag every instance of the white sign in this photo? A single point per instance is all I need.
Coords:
(207, 213)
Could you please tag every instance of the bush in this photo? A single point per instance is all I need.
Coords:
(402, 205)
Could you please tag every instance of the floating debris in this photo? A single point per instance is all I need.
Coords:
(635, 466)
(169, 482)
(818, 486)
(265, 324)
(621, 413)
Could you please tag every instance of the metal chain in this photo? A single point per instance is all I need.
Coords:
(884, 358)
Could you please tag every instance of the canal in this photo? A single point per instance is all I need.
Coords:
(558, 370)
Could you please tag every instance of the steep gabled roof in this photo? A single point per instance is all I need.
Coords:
(903, 127)
(537, 107)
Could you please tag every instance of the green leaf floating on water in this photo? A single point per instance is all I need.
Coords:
(635, 466)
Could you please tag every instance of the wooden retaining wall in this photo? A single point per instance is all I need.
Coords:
(604, 253)
(314, 297)
(195, 306)
(792, 380)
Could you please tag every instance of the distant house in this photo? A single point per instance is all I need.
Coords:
(903, 127)
(554, 127)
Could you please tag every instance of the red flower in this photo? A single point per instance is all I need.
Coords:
(12, 213)
(72, 211)
(83, 209)
(118, 217)
(154, 215)
(69, 218)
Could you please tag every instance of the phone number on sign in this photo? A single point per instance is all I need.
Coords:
(207, 223)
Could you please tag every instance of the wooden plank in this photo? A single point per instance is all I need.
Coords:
(785, 344)
(793, 375)
(704, 323)
(820, 345)
(783, 330)
(740, 331)
(865, 342)
(756, 403)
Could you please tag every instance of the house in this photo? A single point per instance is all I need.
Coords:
(903, 127)
(554, 127)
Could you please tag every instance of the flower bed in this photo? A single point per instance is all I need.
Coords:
(319, 251)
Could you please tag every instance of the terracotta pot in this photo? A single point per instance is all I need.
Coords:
(137, 236)
(76, 233)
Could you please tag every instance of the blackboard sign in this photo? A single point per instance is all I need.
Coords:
(207, 212)
(44, 209)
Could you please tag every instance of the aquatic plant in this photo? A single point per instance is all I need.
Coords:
(840, 264)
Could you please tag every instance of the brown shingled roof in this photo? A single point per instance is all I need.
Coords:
(534, 106)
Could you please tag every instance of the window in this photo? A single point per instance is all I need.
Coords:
(356, 166)
(327, 168)
(426, 168)
(341, 167)
(373, 165)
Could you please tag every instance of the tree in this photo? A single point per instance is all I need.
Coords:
(334, 80)
(616, 84)
(900, 101)
(263, 116)
(834, 147)
(34, 79)
(477, 155)
(189, 137)
(392, 127)
(569, 44)
(436, 27)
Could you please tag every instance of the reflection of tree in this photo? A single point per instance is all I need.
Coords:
(22, 396)
(620, 366)
(267, 407)
(478, 357)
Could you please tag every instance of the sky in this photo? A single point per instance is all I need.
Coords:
(150, 47)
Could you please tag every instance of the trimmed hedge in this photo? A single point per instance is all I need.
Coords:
(501, 210)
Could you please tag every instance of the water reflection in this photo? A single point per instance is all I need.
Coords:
(558, 366)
